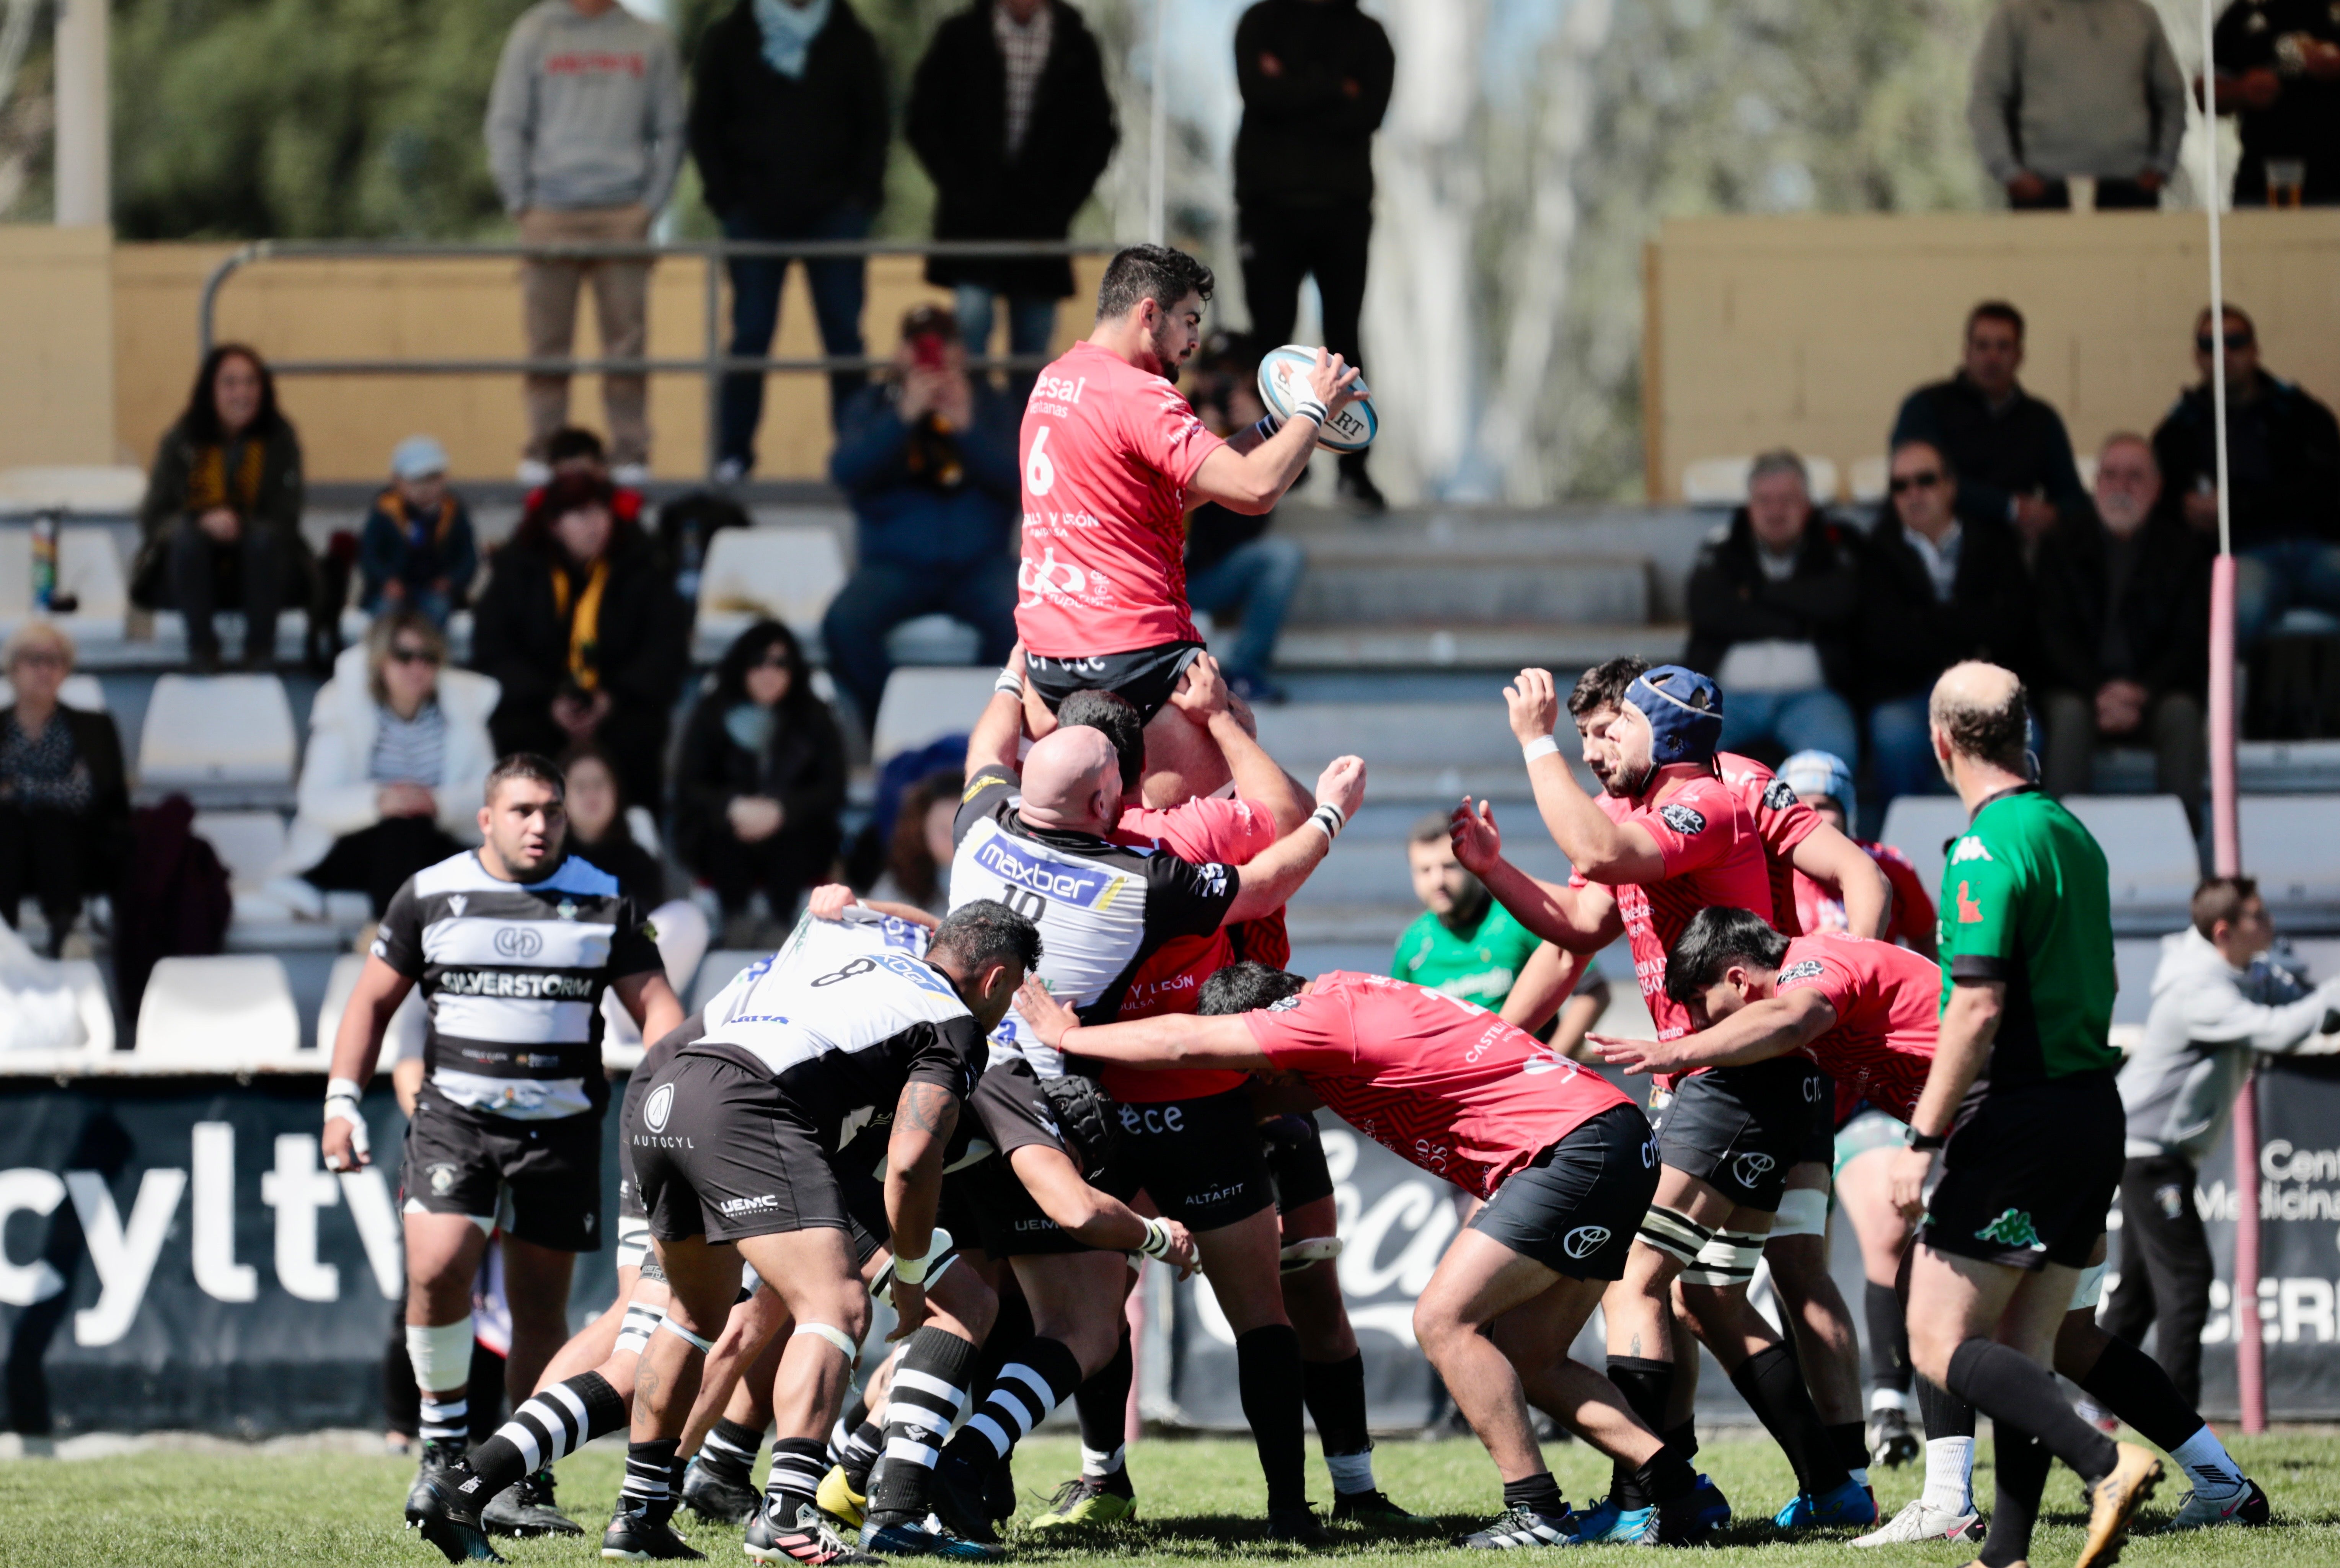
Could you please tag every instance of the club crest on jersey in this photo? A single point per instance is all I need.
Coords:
(457, 901)
(1778, 794)
(1683, 820)
(1584, 1241)
(1806, 969)
(519, 942)
(1286, 1005)
(566, 908)
(1050, 879)
(1969, 849)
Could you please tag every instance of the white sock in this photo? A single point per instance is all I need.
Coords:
(1859, 1476)
(1949, 1474)
(1351, 1472)
(2213, 1469)
(1888, 1399)
(1096, 1464)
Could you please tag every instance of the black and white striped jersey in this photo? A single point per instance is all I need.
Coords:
(842, 1017)
(513, 974)
(1102, 908)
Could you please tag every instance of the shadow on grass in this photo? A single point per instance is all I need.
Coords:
(1224, 1534)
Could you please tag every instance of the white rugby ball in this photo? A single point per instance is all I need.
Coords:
(1283, 381)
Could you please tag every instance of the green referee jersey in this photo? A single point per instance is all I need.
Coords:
(1480, 964)
(2026, 900)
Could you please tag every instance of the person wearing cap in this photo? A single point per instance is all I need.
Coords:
(1667, 838)
(418, 551)
(927, 456)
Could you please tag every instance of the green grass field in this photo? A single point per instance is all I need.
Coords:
(1198, 1500)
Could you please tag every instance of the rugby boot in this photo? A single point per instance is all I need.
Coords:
(1519, 1526)
(1298, 1526)
(1372, 1509)
(719, 1498)
(1891, 1443)
(1920, 1521)
(1713, 1507)
(908, 1536)
(1849, 1503)
(999, 1492)
(2112, 1502)
(446, 1521)
(640, 1535)
(2247, 1506)
(1089, 1502)
(837, 1498)
(434, 1462)
(526, 1507)
(956, 1491)
(1610, 1525)
(810, 1541)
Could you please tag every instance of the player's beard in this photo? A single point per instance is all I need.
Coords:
(1627, 784)
(1165, 356)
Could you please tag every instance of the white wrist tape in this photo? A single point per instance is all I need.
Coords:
(1311, 407)
(342, 1104)
(1328, 819)
(344, 1089)
(1157, 1239)
(910, 1271)
(1267, 427)
(1543, 746)
(1010, 683)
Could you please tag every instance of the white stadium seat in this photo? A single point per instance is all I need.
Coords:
(217, 729)
(2149, 849)
(248, 843)
(1869, 476)
(785, 574)
(406, 1025)
(2291, 843)
(82, 691)
(85, 491)
(719, 969)
(1716, 481)
(1919, 826)
(218, 1014)
(923, 705)
(89, 568)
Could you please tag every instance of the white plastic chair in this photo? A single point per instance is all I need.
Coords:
(82, 691)
(922, 705)
(1870, 477)
(1916, 825)
(2291, 843)
(247, 843)
(89, 568)
(785, 574)
(1716, 481)
(2149, 849)
(88, 489)
(217, 729)
(404, 1038)
(218, 1014)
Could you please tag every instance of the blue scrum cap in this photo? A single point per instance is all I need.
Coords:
(1822, 773)
(1685, 713)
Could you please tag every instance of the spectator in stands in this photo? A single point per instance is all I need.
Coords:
(1232, 568)
(1316, 78)
(585, 138)
(2283, 459)
(789, 124)
(918, 857)
(575, 452)
(598, 829)
(1010, 115)
(2124, 599)
(65, 798)
(761, 778)
(927, 456)
(417, 548)
(1937, 586)
(2218, 1002)
(222, 519)
(2065, 88)
(1772, 601)
(2013, 461)
(398, 755)
(586, 635)
(2278, 74)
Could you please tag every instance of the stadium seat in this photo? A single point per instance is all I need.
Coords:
(2150, 850)
(248, 843)
(217, 729)
(89, 568)
(82, 691)
(923, 705)
(406, 1025)
(785, 574)
(934, 639)
(719, 969)
(1919, 826)
(218, 1014)
(2292, 844)
(1722, 480)
(109, 490)
(1868, 478)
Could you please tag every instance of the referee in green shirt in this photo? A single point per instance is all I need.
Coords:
(2021, 1103)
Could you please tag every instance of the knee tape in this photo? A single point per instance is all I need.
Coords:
(684, 1335)
(1674, 1232)
(633, 1242)
(2090, 1290)
(441, 1355)
(1728, 1259)
(641, 1321)
(834, 1335)
(1803, 1211)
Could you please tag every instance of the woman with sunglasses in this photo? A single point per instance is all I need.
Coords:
(760, 779)
(398, 754)
(64, 806)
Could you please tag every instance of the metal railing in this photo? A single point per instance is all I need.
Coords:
(713, 364)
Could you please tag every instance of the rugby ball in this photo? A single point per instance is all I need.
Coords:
(1283, 381)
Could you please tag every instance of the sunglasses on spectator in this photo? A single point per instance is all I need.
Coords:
(407, 653)
(2236, 341)
(1909, 482)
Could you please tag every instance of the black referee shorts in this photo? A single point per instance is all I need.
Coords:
(2027, 1177)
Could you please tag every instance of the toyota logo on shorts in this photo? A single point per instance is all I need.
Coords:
(1752, 1168)
(657, 1108)
(519, 942)
(1584, 1241)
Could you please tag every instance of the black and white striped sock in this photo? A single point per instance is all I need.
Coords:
(928, 1393)
(1030, 1387)
(798, 1466)
(446, 1420)
(730, 1449)
(548, 1427)
(649, 1476)
(855, 1444)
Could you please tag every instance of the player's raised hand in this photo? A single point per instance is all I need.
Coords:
(1336, 382)
(1343, 784)
(1478, 842)
(829, 901)
(1047, 1018)
(1535, 704)
(1202, 695)
(1636, 1057)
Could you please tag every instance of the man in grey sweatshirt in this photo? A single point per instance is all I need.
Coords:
(585, 137)
(2217, 1000)
(2078, 87)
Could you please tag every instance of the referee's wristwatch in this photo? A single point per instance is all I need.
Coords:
(1927, 1143)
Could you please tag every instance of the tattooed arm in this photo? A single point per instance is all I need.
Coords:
(923, 1119)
